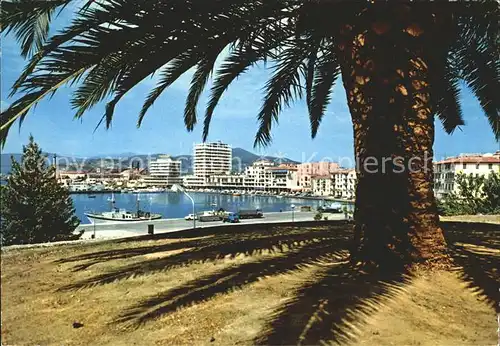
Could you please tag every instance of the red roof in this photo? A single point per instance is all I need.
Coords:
(276, 168)
(344, 170)
(470, 159)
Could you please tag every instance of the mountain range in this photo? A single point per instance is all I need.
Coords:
(245, 158)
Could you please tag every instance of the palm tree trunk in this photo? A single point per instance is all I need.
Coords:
(386, 78)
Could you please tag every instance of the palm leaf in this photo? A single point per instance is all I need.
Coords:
(169, 75)
(326, 72)
(446, 100)
(480, 68)
(29, 19)
(20, 107)
(198, 82)
(282, 88)
(234, 65)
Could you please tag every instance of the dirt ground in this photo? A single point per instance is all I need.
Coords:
(261, 284)
(472, 218)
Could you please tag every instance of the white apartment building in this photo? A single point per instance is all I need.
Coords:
(212, 159)
(261, 175)
(284, 177)
(232, 181)
(258, 175)
(192, 181)
(446, 170)
(345, 183)
(340, 183)
(163, 172)
(323, 185)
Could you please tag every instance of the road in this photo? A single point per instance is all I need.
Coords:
(120, 229)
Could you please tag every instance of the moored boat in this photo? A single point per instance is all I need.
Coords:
(121, 215)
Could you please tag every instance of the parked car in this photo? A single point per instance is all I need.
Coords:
(231, 218)
(190, 217)
(332, 208)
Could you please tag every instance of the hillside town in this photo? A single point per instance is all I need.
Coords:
(213, 172)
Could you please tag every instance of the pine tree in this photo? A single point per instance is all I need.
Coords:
(35, 208)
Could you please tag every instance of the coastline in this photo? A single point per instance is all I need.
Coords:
(328, 198)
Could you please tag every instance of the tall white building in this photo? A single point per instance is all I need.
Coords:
(163, 172)
(209, 160)
(212, 159)
(446, 170)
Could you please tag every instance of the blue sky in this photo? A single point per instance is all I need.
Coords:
(53, 127)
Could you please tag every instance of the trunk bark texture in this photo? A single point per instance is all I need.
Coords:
(386, 67)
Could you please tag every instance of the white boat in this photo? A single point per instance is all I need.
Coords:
(121, 215)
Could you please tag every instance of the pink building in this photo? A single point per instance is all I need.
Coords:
(305, 171)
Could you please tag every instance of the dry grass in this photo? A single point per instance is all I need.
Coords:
(473, 218)
(270, 284)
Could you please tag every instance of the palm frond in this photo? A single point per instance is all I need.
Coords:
(281, 90)
(20, 107)
(234, 65)
(446, 99)
(198, 82)
(326, 73)
(479, 66)
(169, 75)
(29, 20)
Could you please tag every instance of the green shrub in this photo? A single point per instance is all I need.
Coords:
(318, 216)
(476, 195)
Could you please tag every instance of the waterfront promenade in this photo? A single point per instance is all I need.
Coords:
(119, 230)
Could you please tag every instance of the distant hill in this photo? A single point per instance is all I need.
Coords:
(6, 163)
(241, 159)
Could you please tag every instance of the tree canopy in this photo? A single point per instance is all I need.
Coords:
(112, 45)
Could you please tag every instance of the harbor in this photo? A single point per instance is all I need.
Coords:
(172, 205)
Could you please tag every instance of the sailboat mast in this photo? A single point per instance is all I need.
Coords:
(112, 201)
(138, 201)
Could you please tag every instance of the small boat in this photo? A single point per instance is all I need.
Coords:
(92, 196)
(236, 194)
(121, 215)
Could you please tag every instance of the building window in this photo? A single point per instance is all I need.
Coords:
(490, 166)
(464, 166)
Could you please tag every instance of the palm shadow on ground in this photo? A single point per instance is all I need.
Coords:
(475, 247)
(326, 307)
